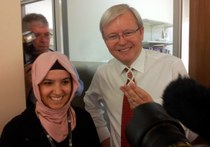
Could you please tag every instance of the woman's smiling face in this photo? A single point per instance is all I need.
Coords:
(55, 89)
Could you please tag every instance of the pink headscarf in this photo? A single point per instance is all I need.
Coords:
(54, 121)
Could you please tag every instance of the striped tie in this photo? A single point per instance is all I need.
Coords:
(126, 110)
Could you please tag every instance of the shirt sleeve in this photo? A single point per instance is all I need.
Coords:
(93, 98)
(178, 69)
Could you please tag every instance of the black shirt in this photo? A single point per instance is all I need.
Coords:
(25, 130)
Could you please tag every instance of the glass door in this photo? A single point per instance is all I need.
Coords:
(85, 40)
(76, 27)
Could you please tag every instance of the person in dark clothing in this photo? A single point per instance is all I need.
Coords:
(26, 130)
(52, 121)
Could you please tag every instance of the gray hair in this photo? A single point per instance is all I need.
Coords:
(117, 10)
(28, 19)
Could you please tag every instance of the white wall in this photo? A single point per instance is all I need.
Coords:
(43, 7)
(12, 98)
(84, 36)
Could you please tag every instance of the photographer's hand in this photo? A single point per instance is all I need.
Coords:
(136, 95)
(28, 79)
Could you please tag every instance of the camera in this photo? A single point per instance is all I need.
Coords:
(28, 48)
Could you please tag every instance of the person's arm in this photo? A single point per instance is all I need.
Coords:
(92, 100)
(28, 80)
(178, 68)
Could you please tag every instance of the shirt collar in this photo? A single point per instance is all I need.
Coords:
(138, 64)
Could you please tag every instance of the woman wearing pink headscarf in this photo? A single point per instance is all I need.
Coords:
(53, 122)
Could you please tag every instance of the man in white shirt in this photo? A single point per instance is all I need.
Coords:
(122, 30)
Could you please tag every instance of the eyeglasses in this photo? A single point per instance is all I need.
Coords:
(47, 35)
(116, 37)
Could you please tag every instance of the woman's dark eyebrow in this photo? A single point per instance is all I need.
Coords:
(67, 78)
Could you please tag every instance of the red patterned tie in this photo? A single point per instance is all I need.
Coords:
(126, 110)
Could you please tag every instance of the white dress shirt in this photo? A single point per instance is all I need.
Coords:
(153, 71)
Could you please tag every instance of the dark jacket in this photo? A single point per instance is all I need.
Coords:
(25, 130)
